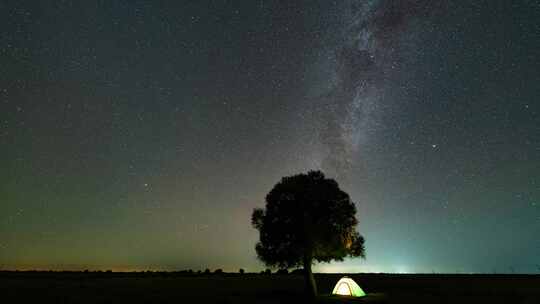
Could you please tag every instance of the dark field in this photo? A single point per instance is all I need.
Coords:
(43, 287)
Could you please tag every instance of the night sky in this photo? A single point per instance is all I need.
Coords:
(141, 134)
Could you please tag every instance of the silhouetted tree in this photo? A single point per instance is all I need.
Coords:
(218, 271)
(307, 219)
(241, 271)
(207, 271)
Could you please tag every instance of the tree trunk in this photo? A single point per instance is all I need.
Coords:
(310, 280)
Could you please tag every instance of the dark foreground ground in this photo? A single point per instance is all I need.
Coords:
(27, 287)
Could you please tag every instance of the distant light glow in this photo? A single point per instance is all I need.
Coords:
(402, 269)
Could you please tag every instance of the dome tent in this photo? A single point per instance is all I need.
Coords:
(347, 287)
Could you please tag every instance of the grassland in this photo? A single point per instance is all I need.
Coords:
(77, 287)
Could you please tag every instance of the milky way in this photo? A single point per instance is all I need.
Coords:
(365, 52)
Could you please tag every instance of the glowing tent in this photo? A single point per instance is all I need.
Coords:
(347, 287)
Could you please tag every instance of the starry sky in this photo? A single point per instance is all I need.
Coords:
(141, 134)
